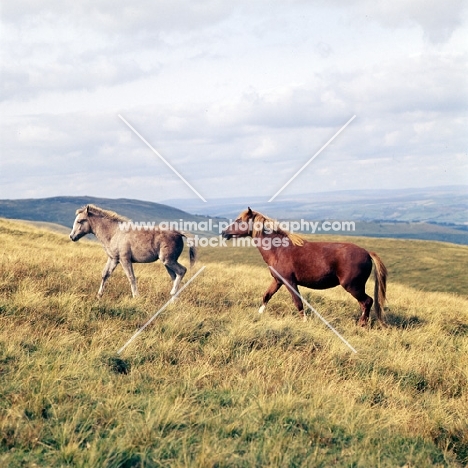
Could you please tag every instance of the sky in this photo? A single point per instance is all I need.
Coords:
(235, 96)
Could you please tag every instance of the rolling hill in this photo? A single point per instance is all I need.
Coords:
(61, 210)
(432, 213)
(391, 214)
(211, 382)
(442, 205)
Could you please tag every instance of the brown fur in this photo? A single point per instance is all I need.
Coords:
(268, 224)
(315, 265)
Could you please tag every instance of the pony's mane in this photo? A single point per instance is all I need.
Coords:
(96, 211)
(271, 224)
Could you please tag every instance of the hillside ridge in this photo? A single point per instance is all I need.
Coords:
(61, 210)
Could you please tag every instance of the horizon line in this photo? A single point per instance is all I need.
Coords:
(426, 187)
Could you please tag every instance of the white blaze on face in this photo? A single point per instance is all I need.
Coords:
(78, 230)
(75, 225)
(73, 231)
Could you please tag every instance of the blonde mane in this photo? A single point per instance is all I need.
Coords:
(96, 211)
(271, 225)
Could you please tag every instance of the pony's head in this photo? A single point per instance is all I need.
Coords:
(83, 220)
(81, 226)
(254, 224)
(242, 226)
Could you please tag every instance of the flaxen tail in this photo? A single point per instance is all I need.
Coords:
(380, 287)
(192, 247)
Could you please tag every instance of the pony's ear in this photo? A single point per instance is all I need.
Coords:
(249, 210)
(86, 210)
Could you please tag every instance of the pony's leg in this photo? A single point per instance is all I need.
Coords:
(365, 302)
(177, 272)
(128, 269)
(274, 286)
(295, 294)
(108, 269)
(173, 277)
(171, 273)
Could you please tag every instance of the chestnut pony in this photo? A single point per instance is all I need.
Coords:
(316, 265)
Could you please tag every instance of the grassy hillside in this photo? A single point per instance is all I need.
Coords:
(456, 234)
(61, 210)
(212, 383)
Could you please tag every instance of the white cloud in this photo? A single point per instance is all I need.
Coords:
(438, 19)
(265, 148)
(236, 96)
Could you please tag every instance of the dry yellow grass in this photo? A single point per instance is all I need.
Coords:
(211, 382)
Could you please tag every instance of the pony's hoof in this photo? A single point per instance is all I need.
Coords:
(261, 310)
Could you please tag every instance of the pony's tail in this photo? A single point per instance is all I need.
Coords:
(380, 287)
(192, 247)
(192, 254)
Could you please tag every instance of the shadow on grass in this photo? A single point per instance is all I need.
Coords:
(457, 441)
(103, 311)
(118, 365)
(455, 328)
(403, 322)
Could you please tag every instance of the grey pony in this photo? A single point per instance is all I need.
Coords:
(127, 246)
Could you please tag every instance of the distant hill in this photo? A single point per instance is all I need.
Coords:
(61, 210)
(455, 234)
(402, 214)
(432, 213)
(441, 205)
